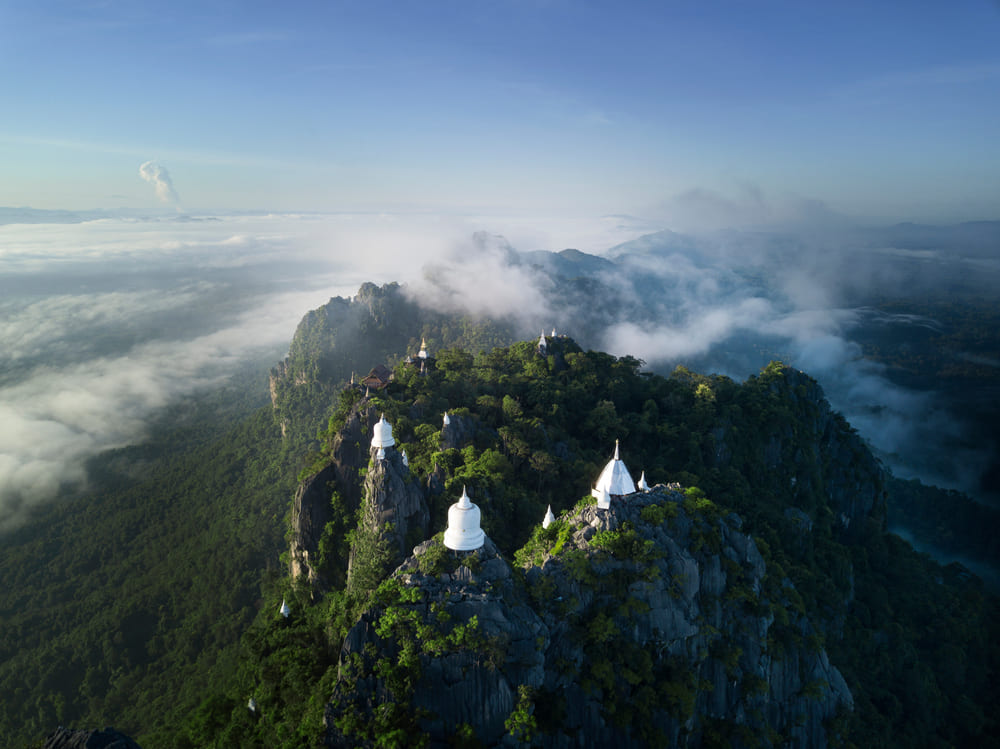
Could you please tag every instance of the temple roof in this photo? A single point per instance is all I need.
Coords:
(378, 378)
(615, 478)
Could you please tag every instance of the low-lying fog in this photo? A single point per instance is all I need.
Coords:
(104, 321)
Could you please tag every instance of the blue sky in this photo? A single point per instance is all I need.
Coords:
(521, 107)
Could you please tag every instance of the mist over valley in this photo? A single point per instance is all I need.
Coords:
(106, 321)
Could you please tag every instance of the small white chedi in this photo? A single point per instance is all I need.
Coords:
(463, 532)
(549, 518)
(382, 436)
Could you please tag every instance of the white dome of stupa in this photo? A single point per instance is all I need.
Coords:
(464, 533)
(614, 479)
(383, 434)
(549, 518)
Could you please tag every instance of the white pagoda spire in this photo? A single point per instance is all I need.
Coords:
(642, 485)
(422, 353)
(447, 419)
(284, 610)
(383, 435)
(464, 532)
(549, 518)
(615, 480)
(542, 345)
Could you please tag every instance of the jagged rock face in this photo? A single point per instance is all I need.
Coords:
(466, 684)
(68, 738)
(701, 612)
(311, 512)
(350, 453)
(311, 509)
(459, 432)
(653, 623)
(396, 501)
(813, 457)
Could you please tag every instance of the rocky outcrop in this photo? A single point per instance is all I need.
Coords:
(395, 502)
(68, 738)
(477, 642)
(312, 509)
(394, 516)
(807, 454)
(653, 623)
(458, 432)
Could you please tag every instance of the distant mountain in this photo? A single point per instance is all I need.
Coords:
(25, 215)
(972, 239)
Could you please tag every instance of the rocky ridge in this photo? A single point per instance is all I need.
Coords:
(652, 623)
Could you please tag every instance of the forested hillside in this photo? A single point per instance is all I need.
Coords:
(151, 604)
(535, 431)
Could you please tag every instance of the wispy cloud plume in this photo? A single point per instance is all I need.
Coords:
(159, 178)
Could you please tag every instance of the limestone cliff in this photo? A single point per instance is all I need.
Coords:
(68, 738)
(802, 452)
(653, 623)
(394, 517)
(313, 509)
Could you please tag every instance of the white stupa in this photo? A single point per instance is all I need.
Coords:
(542, 345)
(553, 332)
(642, 485)
(252, 705)
(383, 435)
(284, 610)
(463, 533)
(422, 353)
(447, 419)
(406, 461)
(549, 518)
(615, 480)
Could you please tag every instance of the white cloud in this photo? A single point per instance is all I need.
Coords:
(159, 178)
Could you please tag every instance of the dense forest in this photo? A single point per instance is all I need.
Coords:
(886, 614)
(152, 604)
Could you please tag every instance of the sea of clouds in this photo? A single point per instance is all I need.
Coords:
(105, 321)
